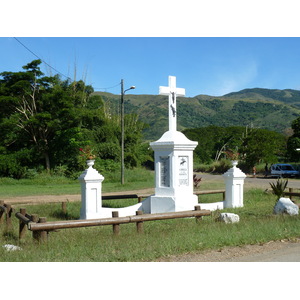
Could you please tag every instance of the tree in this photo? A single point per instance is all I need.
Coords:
(262, 145)
(135, 152)
(39, 112)
(254, 145)
(213, 140)
(46, 120)
(293, 142)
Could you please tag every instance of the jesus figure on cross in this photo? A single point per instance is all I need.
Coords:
(172, 92)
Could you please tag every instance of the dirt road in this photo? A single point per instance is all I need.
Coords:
(250, 182)
(68, 198)
(259, 182)
(274, 251)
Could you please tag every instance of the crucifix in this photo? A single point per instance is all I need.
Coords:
(172, 92)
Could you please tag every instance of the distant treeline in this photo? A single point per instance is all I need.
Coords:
(47, 123)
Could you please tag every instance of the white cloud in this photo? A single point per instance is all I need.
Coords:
(240, 77)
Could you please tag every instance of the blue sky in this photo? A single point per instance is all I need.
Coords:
(212, 47)
(203, 65)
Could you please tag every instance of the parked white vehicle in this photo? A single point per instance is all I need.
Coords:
(283, 170)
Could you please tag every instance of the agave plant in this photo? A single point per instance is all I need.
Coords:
(279, 187)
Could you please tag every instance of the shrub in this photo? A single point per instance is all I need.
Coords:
(279, 187)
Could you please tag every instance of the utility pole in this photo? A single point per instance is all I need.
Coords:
(122, 128)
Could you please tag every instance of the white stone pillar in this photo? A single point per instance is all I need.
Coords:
(234, 182)
(91, 192)
(173, 173)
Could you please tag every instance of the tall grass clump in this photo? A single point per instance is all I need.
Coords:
(278, 187)
(216, 167)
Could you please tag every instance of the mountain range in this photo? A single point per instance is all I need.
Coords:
(257, 107)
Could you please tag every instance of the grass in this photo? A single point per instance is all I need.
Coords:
(45, 184)
(161, 238)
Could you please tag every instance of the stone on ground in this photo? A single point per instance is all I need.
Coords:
(286, 206)
(229, 218)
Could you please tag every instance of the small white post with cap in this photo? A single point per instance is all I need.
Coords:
(234, 181)
(91, 192)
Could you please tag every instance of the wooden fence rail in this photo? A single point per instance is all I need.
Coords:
(292, 193)
(41, 229)
(104, 197)
(25, 219)
(32, 222)
(129, 196)
(198, 193)
(65, 202)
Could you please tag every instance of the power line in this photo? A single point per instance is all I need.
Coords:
(41, 58)
(103, 88)
(107, 88)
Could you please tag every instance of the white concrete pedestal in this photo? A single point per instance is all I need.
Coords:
(91, 192)
(173, 173)
(234, 182)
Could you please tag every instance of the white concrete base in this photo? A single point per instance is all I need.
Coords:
(159, 204)
(212, 206)
(145, 206)
(106, 212)
(154, 204)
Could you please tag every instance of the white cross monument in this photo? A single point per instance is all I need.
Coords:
(172, 92)
(173, 162)
(173, 175)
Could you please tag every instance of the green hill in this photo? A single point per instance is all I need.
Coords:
(291, 97)
(262, 108)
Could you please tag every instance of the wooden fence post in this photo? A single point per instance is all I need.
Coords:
(139, 225)
(8, 216)
(64, 207)
(116, 227)
(291, 191)
(43, 235)
(35, 218)
(197, 207)
(1, 212)
(22, 225)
